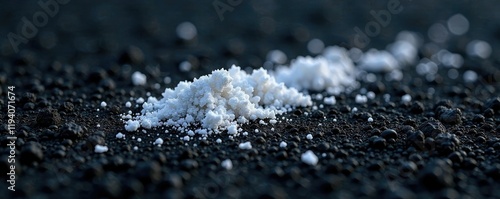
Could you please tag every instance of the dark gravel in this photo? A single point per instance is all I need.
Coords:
(442, 144)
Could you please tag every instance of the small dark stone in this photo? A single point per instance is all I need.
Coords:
(432, 128)
(446, 143)
(71, 131)
(469, 163)
(318, 114)
(456, 157)
(189, 164)
(493, 104)
(378, 142)
(29, 106)
(132, 55)
(488, 113)
(31, 152)
(389, 133)
(324, 147)
(148, 171)
(478, 118)
(172, 181)
(417, 107)
(377, 87)
(48, 117)
(437, 175)
(451, 116)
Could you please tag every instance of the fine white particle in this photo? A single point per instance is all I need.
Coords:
(309, 137)
(283, 144)
(138, 78)
(186, 138)
(185, 66)
(186, 31)
(330, 100)
(227, 164)
(370, 95)
(458, 24)
(361, 99)
(136, 148)
(218, 141)
(139, 140)
(370, 119)
(245, 133)
(132, 125)
(354, 110)
(378, 61)
(159, 141)
(128, 104)
(139, 100)
(470, 76)
(100, 149)
(309, 158)
(478, 48)
(103, 104)
(245, 145)
(120, 135)
(406, 98)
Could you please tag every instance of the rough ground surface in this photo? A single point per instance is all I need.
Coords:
(445, 144)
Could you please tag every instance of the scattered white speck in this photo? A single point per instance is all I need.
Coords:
(100, 149)
(315, 46)
(470, 76)
(283, 144)
(329, 100)
(245, 145)
(478, 48)
(139, 140)
(378, 61)
(218, 141)
(138, 78)
(354, 110)
(334, 120)
(309, 136)
(132, 125)
(370, 119)
(185, 66)
(186, 31)
(458, 24)
(227, 164)
(273, 121)
(103, 104)
(309, 158)
(120, 135)
(128, 104)
(136, 148)
(139, 100)
(406, 98)
(277, 56)
(186, 138)
(159, 141)
(245, 133)
(370, 95)
(98, 125)
(361, 99)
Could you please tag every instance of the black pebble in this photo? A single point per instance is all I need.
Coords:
(451, 116)
(48, 117)
(389, 133)
(31, 152)
(437, 175)
(432, 128)
(71, 131)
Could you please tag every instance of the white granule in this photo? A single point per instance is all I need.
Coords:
(227, 164)
(100, 149)
(120, 135)
(245, 133)
(406, 98)
(332, 71)
(276, 56)
(309, 158)
(136, 148)
(186, 138)
(218, 141)
(309, 136)
(159, 141)
(231, 130)
(370, 95)
(378, 61)
(128, 104)
(478, 48)
(103, 104)
(138, 79)
(330, 100)
(139, 100)
(221, 99)
(361, 99)
(245, 145)
(283, 144)
(139, 140)
(185, 66)
(354, 110)
(186, 31)
(132, 125)
(370, 119)
(273, 121)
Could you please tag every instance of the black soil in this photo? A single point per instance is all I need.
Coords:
(442, 144)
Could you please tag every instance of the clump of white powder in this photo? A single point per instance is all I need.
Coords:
(309, 158)
(332, 71)
(139, 79)
(217, 101)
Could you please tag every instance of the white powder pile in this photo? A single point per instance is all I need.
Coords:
(332, 71)
(217, 101)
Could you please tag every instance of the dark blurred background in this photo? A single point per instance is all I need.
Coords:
(100, 33)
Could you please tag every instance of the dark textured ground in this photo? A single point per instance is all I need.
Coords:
(445, 145)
